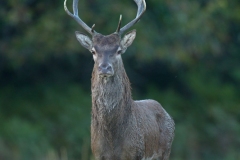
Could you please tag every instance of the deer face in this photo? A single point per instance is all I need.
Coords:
(106, 50)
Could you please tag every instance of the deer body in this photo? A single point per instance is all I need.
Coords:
(122, 129)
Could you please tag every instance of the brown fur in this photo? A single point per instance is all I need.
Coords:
(109, 40)
(123, 129)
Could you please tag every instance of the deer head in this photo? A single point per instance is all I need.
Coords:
(106, 50)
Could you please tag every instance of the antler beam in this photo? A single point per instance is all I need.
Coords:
(141, 9)
(76, 17)
(141, 4)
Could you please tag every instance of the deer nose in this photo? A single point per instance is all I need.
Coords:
(105, 69)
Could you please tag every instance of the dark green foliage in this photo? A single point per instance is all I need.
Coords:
(186, 56)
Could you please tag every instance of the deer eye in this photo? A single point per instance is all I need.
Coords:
(119, 51)
(93, 51)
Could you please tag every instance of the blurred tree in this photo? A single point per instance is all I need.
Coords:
(186, 55)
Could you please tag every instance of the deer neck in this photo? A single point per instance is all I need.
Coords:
(111, 97)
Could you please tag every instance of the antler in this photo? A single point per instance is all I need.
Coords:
(141, 9)
(76, 17)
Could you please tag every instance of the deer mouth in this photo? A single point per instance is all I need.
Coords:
(105, 75)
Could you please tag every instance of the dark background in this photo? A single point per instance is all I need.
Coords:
(186, 56)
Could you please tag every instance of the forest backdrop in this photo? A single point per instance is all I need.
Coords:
(186, 56)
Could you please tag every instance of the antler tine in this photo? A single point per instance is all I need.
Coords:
(76, 17)
(119, 24)
(92, 30)
(141, 9)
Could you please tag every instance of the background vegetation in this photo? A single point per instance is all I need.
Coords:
(186, 56)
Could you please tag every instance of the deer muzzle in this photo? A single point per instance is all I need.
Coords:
(105, 70)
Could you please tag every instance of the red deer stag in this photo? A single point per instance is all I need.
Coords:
(121, 129)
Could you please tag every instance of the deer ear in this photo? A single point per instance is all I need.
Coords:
(84, 40)
(128, 39)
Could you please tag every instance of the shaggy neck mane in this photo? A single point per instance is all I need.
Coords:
(111, 98)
